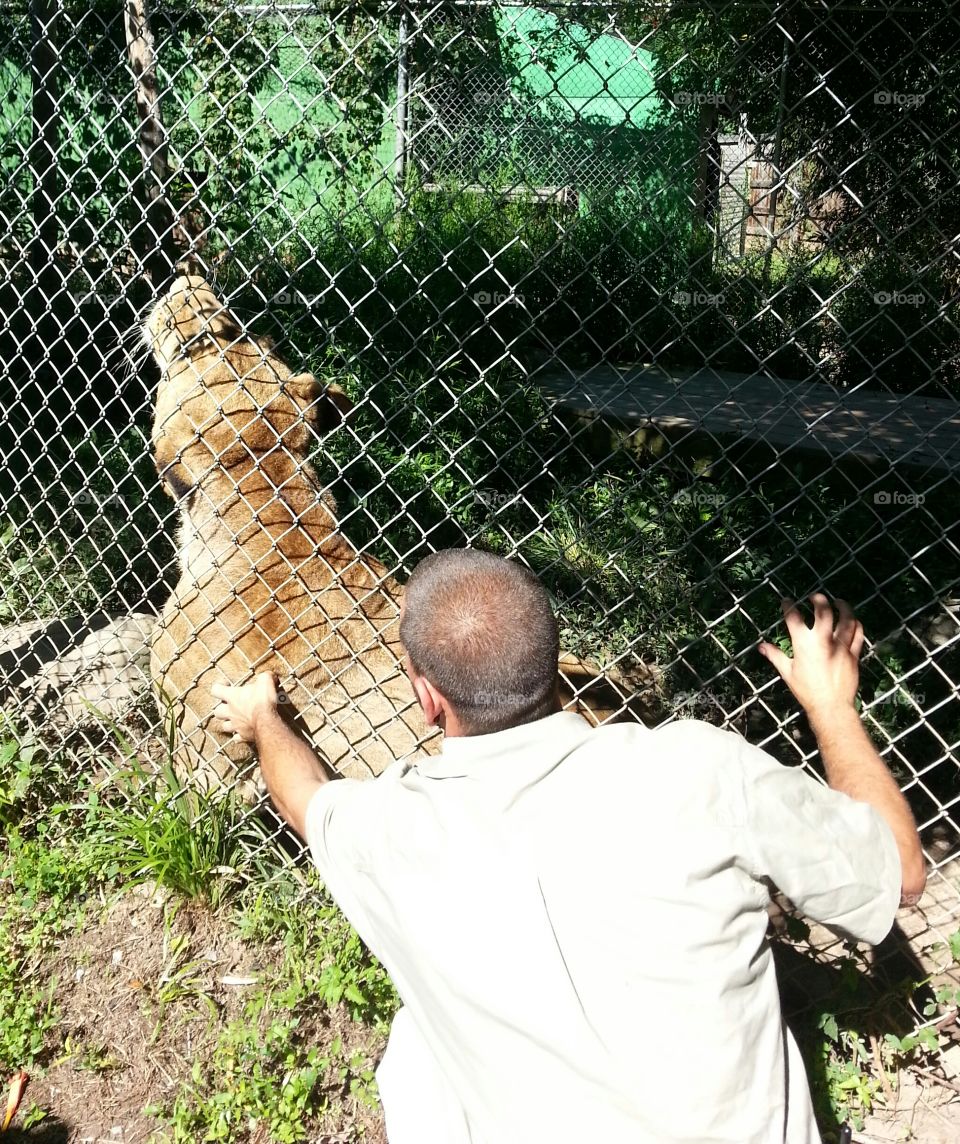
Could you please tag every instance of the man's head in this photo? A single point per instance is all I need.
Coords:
(482, 632)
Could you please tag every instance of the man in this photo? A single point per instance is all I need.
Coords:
(575, 918)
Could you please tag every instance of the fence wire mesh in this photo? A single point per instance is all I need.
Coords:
(661, 300)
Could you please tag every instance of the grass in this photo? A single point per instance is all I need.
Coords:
(156, 828)
(83, 525)
(288, 1050)
(857, 1039)
(673, 556)
(449, 446)
(45, 883)
(628, 280)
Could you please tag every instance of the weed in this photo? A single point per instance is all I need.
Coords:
(850, 1052)
(16, 773)
(323, 960)
(355, 1075)
(157, 828)
(255, 1075)
(182, 978)
(34, 1115)
(42, 884)
(32, 777)
(89, 1057)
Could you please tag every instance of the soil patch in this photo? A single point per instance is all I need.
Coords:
(143, 991)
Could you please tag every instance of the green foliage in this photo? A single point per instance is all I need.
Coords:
(261, 1076)
(736, 53)
(265, 1067)
(322, 960)
(418, 310)
(73, 540)
(43, 883)
(28, 584)
(156, 828)
(851, 1086)
(17, 773)
(895, 312)
(35, 781)
(848, 1044)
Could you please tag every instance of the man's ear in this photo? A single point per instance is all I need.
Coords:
(428, 697)
(328, 406)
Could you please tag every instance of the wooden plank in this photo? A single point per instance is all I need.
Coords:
(784, 414)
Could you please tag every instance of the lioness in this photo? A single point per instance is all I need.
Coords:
(267, 582)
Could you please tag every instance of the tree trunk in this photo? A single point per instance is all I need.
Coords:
(776, 158)
(154, 239)
(708, 164)
(401, 115)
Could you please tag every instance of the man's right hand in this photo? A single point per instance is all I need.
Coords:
(824, 672)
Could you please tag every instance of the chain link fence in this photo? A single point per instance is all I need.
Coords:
(661, 300)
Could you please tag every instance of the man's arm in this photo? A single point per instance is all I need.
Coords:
(823, 676)
(291, 770)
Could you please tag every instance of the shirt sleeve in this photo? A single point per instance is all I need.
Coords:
(833, 857)
(339, 824)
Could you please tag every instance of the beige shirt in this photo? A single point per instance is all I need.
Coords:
(575, 920)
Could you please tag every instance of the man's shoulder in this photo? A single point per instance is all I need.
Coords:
(346, 818)
(343, 793)
(689, 738)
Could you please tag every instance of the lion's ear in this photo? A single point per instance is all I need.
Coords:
(329, 405)
(335, 406)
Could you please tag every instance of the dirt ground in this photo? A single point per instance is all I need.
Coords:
(925, 1112)
(128, 1049)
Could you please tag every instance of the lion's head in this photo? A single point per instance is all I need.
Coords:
(225, 399)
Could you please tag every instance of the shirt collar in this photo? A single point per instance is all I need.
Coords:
(465, 754)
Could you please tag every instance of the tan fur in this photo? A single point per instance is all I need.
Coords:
(267, 582)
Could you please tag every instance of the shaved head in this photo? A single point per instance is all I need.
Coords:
(482, 631)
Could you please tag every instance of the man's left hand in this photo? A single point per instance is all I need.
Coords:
(243, 707)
